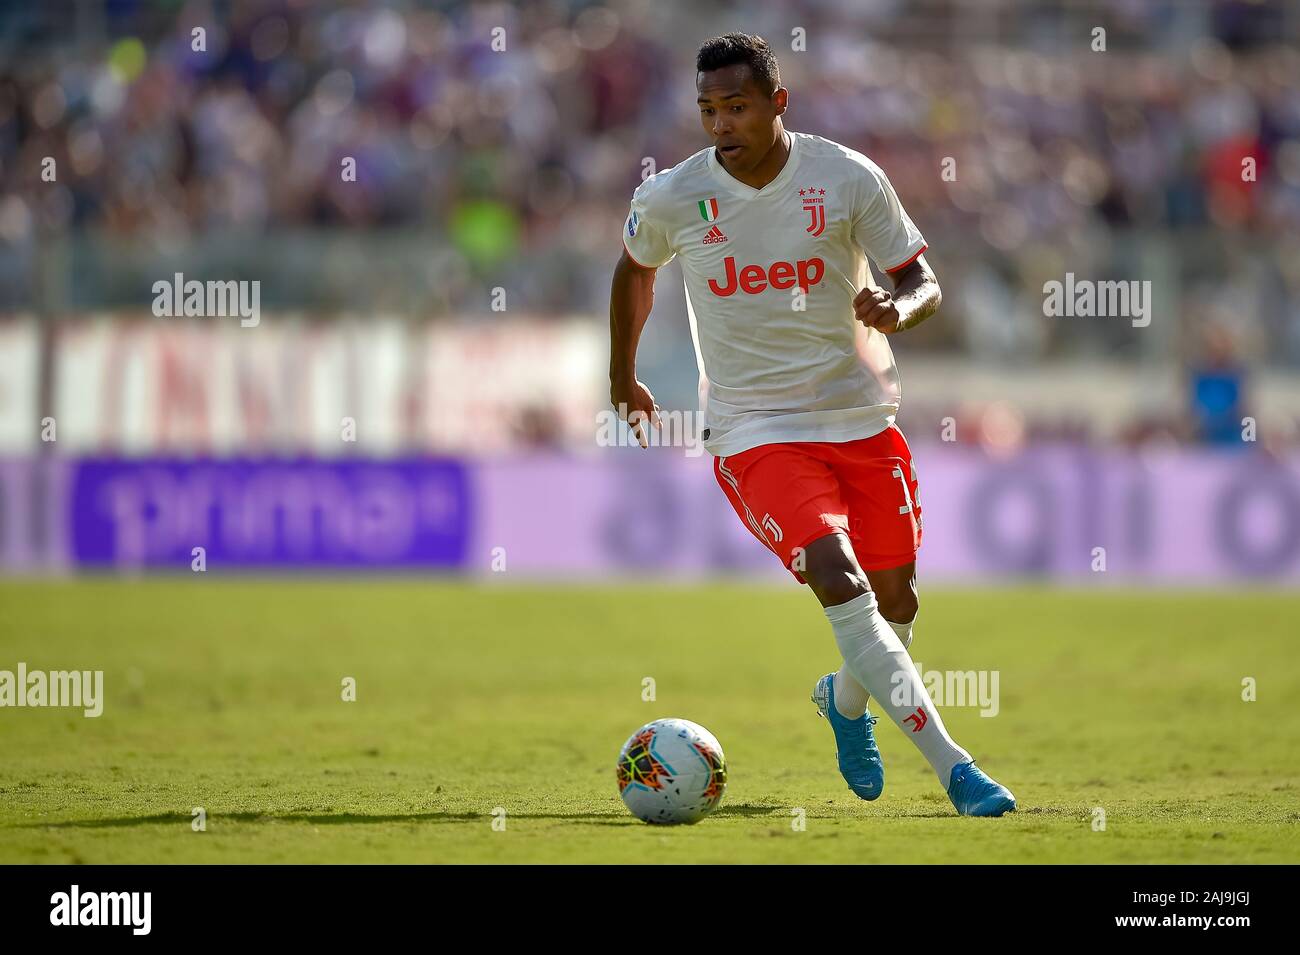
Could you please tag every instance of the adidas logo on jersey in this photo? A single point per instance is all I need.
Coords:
(714, 237)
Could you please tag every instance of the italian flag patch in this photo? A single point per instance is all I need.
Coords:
(709, 209)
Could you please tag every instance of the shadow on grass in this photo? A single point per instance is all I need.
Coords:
(742, 811)
(317, 819)
(362, 819)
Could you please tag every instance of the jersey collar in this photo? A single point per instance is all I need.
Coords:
(739, 188)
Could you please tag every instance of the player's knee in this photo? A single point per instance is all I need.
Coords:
(836, 581)
(899, 607)
(838, 589)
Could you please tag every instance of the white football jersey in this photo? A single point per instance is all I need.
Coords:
(770, 276)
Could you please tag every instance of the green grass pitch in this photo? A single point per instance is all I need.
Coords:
(226, 694)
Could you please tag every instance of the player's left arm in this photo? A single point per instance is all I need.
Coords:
(915, 298)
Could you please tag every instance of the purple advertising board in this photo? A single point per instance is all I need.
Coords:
(250, 513)
(1058, 512)
(1063, 513)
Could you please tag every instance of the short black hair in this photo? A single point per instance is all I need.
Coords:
(733, 48)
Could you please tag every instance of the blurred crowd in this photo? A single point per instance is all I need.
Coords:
(505, 139)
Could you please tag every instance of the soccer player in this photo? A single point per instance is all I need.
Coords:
(798, 388)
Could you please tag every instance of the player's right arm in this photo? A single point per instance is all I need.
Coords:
(630, 300)
(646, 248)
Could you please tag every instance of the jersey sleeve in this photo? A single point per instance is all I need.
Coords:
(881, 226)
(644, 235)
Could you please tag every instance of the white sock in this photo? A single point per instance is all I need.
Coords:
(874, 655)
(904, 631)
(851, 698)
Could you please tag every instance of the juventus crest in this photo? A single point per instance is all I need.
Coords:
(814, 204)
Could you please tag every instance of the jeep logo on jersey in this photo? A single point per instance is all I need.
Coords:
(752, 279)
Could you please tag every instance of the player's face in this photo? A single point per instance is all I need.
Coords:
(738, 116)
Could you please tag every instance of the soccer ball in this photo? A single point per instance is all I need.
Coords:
(672, 771)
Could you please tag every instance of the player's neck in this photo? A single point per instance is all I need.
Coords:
(769, 167)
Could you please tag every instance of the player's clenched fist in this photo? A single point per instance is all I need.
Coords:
(875, 308)
(636, 405)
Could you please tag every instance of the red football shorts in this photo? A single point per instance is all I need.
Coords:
(792, 493)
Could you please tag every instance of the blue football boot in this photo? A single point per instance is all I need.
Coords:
(855, 743)
(974, 794)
